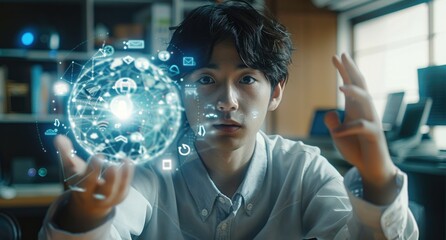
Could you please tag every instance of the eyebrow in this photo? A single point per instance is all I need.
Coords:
(215, 66)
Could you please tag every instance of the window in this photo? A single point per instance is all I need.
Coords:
(439, 35)
(390, 48)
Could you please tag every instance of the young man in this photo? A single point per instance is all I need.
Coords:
(237, 182)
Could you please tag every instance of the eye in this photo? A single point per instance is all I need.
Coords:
(205, 80)
(247, 80)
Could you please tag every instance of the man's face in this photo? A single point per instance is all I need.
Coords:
(226, 102)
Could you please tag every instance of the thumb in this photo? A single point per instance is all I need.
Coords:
(71, 163)
(331, 120)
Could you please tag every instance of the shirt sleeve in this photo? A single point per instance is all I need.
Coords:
(369, 221)
(126, 220)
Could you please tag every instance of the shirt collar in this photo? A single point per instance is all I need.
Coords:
(203, 189)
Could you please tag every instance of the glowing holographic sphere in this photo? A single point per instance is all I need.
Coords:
(124, 108)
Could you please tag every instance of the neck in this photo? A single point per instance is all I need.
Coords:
(226, 168)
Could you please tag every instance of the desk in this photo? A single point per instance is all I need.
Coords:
(426, 185)
(38, 201)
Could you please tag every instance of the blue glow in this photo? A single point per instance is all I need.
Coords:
(27, 38)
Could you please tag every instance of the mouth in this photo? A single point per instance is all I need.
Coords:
(230, 126)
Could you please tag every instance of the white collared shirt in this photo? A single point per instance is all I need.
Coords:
(289, 192)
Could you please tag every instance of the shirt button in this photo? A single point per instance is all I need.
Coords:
(221, 199)
(224, 226)
(204, 212)
(249, 207)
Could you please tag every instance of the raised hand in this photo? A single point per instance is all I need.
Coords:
(360, 138)
(97, 189)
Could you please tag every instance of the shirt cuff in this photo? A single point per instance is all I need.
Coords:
(391, 218)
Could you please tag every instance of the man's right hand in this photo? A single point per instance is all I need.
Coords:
(96, 190)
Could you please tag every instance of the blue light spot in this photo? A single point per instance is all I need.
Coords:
(27, 38)
(31, 172)
(42, 172)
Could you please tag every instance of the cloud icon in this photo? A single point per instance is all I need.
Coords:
(51, 132)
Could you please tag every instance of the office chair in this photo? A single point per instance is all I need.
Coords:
(9, 228)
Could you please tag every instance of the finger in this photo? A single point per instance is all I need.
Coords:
(357, 127)
(332, 120)
(344, 74)
(127, 171)
(105, 190)
(117, 184)
(72, 165)
(353, 71)
(357, 95)
(90, 178)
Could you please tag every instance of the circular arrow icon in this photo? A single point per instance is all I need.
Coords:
(184, 149)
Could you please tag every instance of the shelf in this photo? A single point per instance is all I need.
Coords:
(45, 54)
(28, 118)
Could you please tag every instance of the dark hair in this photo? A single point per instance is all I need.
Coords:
(261, 41)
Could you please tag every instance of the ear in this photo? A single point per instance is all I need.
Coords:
(276, 96)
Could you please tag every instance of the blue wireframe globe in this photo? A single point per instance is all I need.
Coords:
(124, 107)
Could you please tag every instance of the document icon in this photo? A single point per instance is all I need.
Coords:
(135, 44)
(189, 61)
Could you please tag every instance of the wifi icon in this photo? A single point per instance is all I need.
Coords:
(102, 125)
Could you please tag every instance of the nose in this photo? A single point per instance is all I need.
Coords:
(227, 100)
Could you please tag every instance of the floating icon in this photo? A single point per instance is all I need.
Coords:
(184, 150)
(94, 136)
(128, 59)
(190, 90)
(189, 61)
(211, 116)
(107, 50)
(142, 150)
(51, 132)
(136, 137)
(164, 55)
(125, 85)
(174, 70)
(167, 164)
(100, 147)
(102, 125)
(121, 138)
(92, 90)
(201, 131)
(56, 122)
(142, 64)
(134, 44)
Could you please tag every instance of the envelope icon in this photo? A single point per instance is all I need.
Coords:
(189, 61)
(135, 44)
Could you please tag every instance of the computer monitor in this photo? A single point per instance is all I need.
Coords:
(415, 117)
(394, 111)
(318, 128)
(432, 84)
